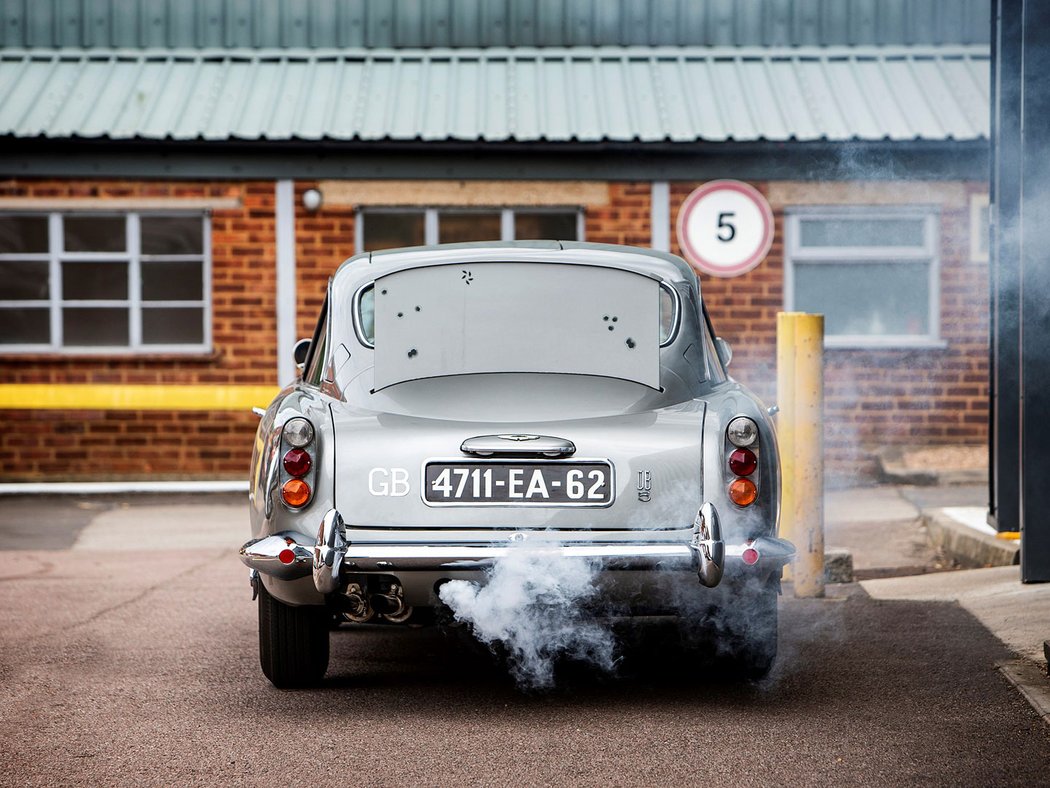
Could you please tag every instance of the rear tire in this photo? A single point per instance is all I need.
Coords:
(293, 642)
(751, 633)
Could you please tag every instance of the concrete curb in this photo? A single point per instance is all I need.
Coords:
(970, 547)
(893, 470)
(1029, 679)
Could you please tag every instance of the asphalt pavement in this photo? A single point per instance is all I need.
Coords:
(129, 656)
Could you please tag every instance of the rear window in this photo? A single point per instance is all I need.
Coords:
(365, 315)
(493, 317)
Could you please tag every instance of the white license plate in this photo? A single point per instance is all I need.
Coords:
(588, 483)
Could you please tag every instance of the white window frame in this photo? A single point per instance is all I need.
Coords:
(431, 229)
(928, 253)
(132, 255)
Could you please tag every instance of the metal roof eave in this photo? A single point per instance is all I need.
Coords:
(913, 160)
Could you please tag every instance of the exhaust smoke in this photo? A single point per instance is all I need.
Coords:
(534, 607)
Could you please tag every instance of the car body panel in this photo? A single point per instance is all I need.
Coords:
(664, 435)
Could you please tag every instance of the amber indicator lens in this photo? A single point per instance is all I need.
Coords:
(296, 492)
(742, 462)
(742, 492)
(297, 462)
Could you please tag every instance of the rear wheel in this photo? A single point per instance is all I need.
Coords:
(750, 632)
(293, 642)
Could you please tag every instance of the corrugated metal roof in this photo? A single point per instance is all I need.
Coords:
(491, 95)
(113, 24)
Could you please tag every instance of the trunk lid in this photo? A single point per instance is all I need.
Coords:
(655, 457)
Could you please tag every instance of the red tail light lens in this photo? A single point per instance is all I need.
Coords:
(295, 492)
(743, 492)
(750, 556)
(297, 462)
(286, 556)
(743, 462)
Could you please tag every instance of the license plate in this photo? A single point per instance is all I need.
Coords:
(518, 483)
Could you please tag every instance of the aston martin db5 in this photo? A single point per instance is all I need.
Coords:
(459, 402)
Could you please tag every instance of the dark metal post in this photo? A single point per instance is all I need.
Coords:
(1005, 193)
(1035, 293)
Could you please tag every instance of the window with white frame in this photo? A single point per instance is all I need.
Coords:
(94, 282)
(873, 272)
(388, 228)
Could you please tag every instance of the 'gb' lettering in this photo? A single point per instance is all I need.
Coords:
(391, 482)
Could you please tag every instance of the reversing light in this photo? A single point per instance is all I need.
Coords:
(297, 462)
(298, 432)
(295, 492)
(742, 432)
(743, 492)
(743, 462)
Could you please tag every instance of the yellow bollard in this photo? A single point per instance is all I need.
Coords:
(786, 424)
(800, 428)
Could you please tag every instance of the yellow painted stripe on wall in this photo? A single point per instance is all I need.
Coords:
(32, 396)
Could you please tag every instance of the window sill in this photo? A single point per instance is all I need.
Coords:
(889, 343)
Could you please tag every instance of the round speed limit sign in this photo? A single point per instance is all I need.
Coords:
(725, 228)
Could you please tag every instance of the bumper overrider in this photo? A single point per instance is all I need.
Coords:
(290, 556)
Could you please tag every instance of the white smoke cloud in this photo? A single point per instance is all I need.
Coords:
(533, 607)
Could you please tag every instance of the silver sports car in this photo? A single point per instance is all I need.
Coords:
(457, 403)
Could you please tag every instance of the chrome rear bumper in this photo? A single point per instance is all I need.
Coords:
(338, 550)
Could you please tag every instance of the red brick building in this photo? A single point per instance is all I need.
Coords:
(160, 252)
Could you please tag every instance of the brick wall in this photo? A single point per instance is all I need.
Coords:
(874, 398)
(323, 240)
(100, 444)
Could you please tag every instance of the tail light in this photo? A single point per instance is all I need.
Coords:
(295, 492)
(743, 492)
(297, 462)
(743, 462)
(742, 439)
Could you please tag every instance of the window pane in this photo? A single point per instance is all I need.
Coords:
(20, 280)
(667, 313)
(461, 227)
(94, 233)
(866, 298)
(172, 281)
(555, 226)
(391, 230)
(847, 231)
(94, 281)
(94, 326)
(24, 326)
(366, 316)
(172, 235)
(181, 326)
(23, 234)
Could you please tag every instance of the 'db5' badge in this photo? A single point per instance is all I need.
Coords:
(645, 486)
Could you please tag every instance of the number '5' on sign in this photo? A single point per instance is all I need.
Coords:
(725, 228)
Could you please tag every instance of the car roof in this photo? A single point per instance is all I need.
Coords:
(658, 265)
